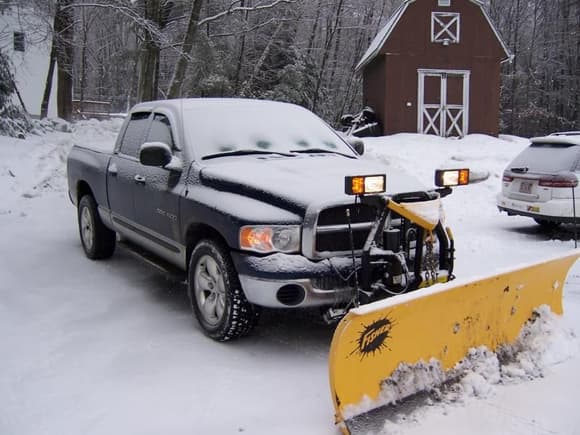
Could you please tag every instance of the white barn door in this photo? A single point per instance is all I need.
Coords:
(443, 102)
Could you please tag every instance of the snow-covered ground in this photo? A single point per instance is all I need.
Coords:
(110, 347)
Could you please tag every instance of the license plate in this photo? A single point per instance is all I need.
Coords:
(526, 187)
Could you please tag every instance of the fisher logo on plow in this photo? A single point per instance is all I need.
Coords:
(373, 338)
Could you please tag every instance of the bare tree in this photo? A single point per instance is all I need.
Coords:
(182, 61)
(304, 51)
(63, 29)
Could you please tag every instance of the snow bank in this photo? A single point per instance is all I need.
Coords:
(481, 232)
(543, 343)
(31, 166)
(422, 154)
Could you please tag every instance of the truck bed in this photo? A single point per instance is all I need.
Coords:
(90, 165)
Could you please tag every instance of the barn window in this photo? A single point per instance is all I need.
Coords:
(445, 3)
(445, 27)
(19, 41)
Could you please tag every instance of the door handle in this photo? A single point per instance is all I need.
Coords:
(139, 179)
(113, 170)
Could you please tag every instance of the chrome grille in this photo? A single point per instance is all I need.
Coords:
(331, 233)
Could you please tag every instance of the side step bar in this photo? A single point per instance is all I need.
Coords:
(154, 261)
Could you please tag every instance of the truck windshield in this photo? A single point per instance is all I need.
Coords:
(232, 128)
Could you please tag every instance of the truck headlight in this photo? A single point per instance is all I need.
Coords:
(265, 239)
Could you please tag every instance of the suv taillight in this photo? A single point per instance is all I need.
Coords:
(507, 178)
(559, 181)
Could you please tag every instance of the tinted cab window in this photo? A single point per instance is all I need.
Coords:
(135, 134)
(160, 130)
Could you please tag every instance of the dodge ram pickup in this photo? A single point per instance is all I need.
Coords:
(248, 199)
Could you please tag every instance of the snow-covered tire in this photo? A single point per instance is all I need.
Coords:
(216, 296)
(547, 225)
(98, 241)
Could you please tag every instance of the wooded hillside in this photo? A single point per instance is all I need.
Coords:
(302, 51)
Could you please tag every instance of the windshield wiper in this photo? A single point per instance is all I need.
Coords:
(245, 152)
(522, 170)
(320, 151)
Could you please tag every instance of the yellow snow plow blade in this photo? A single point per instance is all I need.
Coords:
(441, 322)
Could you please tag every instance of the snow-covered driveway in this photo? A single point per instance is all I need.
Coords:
(111, 348)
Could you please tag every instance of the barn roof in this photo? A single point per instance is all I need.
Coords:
(386, 31)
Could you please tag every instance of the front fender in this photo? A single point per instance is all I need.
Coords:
(227, 212)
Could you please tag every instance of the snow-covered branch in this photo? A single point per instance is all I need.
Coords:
(233, 9)
(249, 29)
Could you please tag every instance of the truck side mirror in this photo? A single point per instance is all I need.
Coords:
(155, 154)
(357, 144)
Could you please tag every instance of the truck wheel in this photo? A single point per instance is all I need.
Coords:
(98, 241)
(216, 296)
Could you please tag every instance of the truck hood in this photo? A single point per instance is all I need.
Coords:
(295, 183)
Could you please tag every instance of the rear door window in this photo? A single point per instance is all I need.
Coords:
(547, 158)
(135, 134)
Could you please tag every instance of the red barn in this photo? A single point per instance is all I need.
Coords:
(435, 69)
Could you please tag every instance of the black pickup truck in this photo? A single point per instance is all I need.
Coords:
(248, 199)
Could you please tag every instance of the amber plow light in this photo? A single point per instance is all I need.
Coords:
(365, 184)
(451, 177)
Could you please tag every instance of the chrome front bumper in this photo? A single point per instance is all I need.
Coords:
(291, 294)
(293, 281)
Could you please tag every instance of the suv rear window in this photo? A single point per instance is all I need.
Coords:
(549, 157)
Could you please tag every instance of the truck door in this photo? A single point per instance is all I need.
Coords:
(123, 170)
(157, 196)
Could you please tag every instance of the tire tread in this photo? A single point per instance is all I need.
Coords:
(242, 316)
(104, 239)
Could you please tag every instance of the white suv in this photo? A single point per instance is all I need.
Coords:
(541, 181)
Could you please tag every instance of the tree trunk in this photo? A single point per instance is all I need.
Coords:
(175, 88)
(358, 51)
(48, 83)
(242, 50)
(83, 65)
(258, 66)
(515, 68)
(314, 29)
(329, 38)
(63, 29)
(148, 68)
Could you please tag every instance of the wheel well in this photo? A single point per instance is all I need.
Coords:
(197, 232)
(83, 189)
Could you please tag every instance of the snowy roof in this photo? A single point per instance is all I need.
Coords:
(386, 31)
(184, 104)
(572, 139)
(383, 35)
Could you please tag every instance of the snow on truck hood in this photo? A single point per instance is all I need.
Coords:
(298, 182)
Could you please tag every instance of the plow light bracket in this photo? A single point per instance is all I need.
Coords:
(365, 184)
(451, 177)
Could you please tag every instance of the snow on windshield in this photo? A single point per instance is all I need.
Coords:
(547, 158)
(224, 127)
